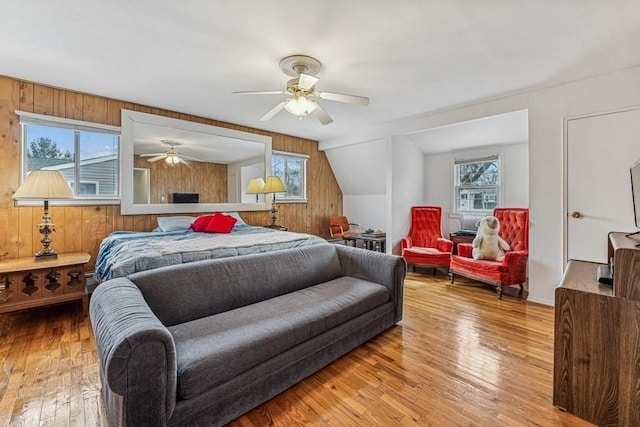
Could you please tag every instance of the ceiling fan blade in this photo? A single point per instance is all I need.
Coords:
(341, 97)
(275, 110)
(307, 81)
(151, 154)
(155, 159)
(260, 92)
(322, 115)
(181, 160)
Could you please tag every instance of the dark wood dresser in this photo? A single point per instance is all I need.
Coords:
(597, 339)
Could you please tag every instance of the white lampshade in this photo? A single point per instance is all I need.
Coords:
(274, 185)
(43, 185)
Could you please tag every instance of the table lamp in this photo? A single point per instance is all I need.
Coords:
(274, 185)
(44, 185)
(255, 187)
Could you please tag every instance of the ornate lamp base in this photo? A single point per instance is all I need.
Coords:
(46, 255)
(274, 215)
(46, 228)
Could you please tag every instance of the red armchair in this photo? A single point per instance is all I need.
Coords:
(514, 228)
(341, 228)
(425, 246)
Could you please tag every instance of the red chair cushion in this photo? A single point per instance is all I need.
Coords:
(425, 225)
(514, 227)
(425, 245)
(427, 256)
(492, 270)
(338, 223)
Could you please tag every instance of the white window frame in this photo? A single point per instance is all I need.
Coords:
(27, 118)
(292, 199)
(456, 184)
(72, 183)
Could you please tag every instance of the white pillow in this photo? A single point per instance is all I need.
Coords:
(236, 215)
(174, 223)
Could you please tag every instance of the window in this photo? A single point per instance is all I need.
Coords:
(292, 170)
(477, 185)
(82, 152)
(86, 187)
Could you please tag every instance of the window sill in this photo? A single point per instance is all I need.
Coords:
(69, 202)
(291, 201)
(477, 214)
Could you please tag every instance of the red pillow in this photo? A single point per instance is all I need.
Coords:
(200, 224)
(221, 223)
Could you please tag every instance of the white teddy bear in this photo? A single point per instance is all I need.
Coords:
(487, 243)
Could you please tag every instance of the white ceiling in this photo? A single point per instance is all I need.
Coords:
(507, 128)
(206, 147)
(410, 57)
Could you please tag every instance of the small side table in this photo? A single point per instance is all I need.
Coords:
(456, 239)
(27, 283)
(371, 242)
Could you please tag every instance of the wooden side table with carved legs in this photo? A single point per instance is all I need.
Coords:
(27, 283)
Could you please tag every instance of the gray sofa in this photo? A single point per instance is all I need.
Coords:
(200, 344)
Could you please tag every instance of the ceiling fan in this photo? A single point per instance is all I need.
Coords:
(301, 91)
(171, 156)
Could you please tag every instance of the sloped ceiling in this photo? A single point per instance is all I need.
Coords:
(508, 128)
(410, 57)
(360, 168)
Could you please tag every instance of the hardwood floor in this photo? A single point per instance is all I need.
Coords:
(459, 357)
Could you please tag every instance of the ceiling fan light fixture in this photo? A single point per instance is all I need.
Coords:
(302, 88)
(299, 105)
(172, 159)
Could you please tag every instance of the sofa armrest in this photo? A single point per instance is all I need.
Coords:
(406, 242)
(445, 245)
(385, 269)
(137, 354)
(465, 250)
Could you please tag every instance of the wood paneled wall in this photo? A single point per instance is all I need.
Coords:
(209, 180)
(82, 228)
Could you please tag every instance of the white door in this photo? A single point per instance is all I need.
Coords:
(600, 151)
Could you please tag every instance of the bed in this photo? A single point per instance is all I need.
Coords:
(123, 252)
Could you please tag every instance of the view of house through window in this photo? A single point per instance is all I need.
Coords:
(477, 185)
(291, 168)
(81, 154)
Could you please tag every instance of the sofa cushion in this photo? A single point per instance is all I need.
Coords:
(214, 349)
(185, 292)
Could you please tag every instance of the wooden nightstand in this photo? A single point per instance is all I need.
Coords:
(27, 283)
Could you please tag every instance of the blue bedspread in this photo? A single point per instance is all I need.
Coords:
(123, 252)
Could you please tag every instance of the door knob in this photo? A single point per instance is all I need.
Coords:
(575, 214)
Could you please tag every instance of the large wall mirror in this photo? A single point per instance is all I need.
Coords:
(175, 166)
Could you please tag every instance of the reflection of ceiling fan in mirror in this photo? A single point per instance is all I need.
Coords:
(301, 91)
(171, 156)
